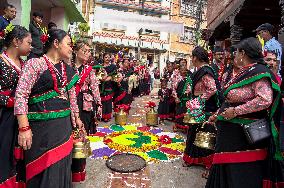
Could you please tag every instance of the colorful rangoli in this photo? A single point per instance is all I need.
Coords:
(152, 144)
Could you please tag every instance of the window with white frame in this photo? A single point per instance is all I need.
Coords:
(188, 7)
(188, 35)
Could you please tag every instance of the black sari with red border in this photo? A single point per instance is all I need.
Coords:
(122, 96)
(194, 155)
(181, 106)
(8, 127)
(48, 162)
(236, 163)
(107, 93)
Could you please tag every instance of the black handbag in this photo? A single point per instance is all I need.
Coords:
(257, 131)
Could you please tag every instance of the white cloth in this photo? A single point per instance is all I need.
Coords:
(138, 21)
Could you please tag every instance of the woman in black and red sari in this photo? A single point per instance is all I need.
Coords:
(88, 99)
(18, 43)
(204, 91)
(123, 95)
(168, 71)
(45, 105)
(87, 88)
(164, 108)
(251, 94)
(106, 88)
(183, 94)
(145, 85)
(174, 80)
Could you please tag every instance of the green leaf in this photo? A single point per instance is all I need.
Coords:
(156, 154)
(116, 128)
(140, 140)
(9, 28)
(175, 140)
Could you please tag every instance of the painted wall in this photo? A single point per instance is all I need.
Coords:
(57, 15)
(176, 46)
(130, 31)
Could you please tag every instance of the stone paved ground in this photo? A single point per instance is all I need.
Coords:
(156, 175)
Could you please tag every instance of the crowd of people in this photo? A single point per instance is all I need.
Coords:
(57, 90)
(60, 89)
(235, 96)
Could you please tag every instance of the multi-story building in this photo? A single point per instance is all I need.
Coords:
(186, 12)
(61, 12)
(113, 37)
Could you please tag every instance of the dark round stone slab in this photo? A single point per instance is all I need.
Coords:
(126, 163)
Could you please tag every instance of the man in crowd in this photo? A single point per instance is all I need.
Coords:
(9, 14)
(271, 44)
(51, 25)
(36, 32)
(218, 58)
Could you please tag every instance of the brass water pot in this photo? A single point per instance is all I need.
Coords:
(100, 74)
(115, 78)
(88, 147)
(204, 139)
(82, 149)
(79, 150)
(121, 117)
(188, 119)
(152, 117)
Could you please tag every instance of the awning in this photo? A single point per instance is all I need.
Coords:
(73, 13)
(138, 21)
(232, 8)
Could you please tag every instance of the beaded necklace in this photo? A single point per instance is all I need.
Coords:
(11, 62)
(237, 75)
(55, 72)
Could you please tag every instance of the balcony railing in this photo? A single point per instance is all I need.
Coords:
(136, 5)
(129, 41)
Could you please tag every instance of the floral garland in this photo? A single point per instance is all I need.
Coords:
(196, 109)
(44, 37)
(7, 30)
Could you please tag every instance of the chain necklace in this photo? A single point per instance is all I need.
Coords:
(11, 62)
(55, 73)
